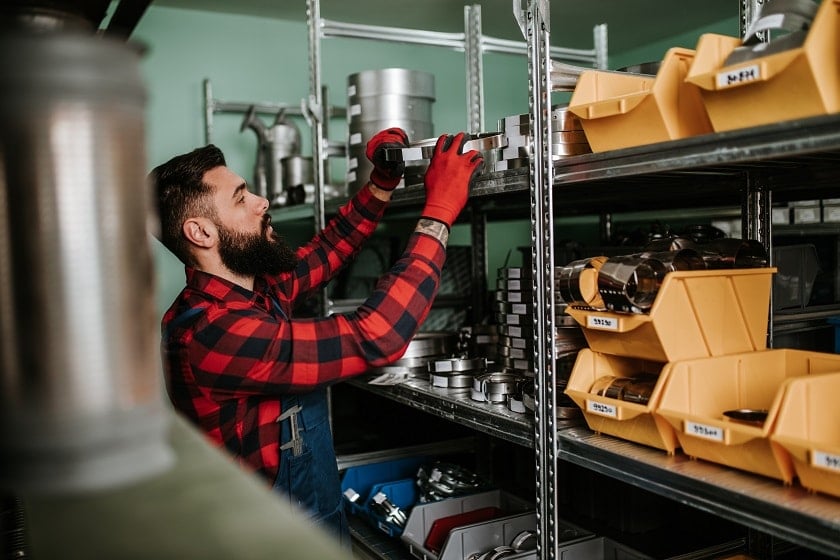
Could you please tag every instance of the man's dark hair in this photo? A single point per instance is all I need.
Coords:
(182, 194)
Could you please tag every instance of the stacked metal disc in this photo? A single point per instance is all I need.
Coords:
(567, 138)
(514, 311)
(425, 347)
(455, 372)
(480, 341)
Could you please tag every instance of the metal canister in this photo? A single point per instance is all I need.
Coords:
(80, 403)
(380, 99)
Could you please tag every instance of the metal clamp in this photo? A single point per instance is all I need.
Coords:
(381, 505)
(496, 386)
(296, 443)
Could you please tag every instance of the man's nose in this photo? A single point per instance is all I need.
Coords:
(262, 205)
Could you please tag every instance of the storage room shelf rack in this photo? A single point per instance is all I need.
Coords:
(797, 159)
(747, 168)
(782, 154)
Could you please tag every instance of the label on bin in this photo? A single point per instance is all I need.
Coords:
(825, 460)
(740, 76)
(603, 323)
(602, 409)
(703, 431)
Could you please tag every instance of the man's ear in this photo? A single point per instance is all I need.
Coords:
(200, 231)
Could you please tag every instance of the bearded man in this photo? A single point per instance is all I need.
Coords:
(237, 363)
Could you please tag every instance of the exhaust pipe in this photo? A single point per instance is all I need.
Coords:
(80, 390)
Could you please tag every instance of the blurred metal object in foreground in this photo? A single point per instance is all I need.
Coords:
(80, 399)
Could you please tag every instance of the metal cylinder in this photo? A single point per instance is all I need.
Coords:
(80, 398)
(380, 99)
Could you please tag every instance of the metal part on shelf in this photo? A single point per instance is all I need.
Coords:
(457, 365)
(381, 505)
(421, 150)
(426, 344)
(444, 480)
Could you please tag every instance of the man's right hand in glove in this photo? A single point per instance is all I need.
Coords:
(448, 179)
(386, 174)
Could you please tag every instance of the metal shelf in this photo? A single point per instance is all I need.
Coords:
(457, 406)
(790, 513)
(775, 147)
(798, 158)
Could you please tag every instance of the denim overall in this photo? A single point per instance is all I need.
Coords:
(308, 476)
(310, 479)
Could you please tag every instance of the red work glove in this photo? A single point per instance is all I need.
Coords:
(386, 174)
(448, 178)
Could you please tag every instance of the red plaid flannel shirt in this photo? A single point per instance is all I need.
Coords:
(227, 369)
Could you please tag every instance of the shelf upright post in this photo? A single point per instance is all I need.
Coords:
(315, 108)
(747, 12)
(756, 205)
(209, 109)
(757, 223)
(473, 55)
(599, 36)
(542, 239)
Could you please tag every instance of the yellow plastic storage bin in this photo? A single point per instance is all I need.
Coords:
(696, 314)
(698, 392)
(627, 420)
(808, 431)
(619, 110)
(797, 83)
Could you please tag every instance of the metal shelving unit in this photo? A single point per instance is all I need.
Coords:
(745, 168)
(749, 166)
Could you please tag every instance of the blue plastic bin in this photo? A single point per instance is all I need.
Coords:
(396, 478)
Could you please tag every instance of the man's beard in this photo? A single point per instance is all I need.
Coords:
(254, 254)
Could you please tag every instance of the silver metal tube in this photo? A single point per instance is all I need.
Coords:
(455, 41)
(394, 34)
(80, 399)
(599, 33)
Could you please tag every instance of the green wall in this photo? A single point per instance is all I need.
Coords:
(253, 59)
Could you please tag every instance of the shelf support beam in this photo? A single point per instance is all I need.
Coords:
(541, 188)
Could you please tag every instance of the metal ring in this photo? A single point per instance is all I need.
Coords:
(457, 365)
(577, 282)
(630, 283)
(451, 381)
(514, 272)
(526, 540)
